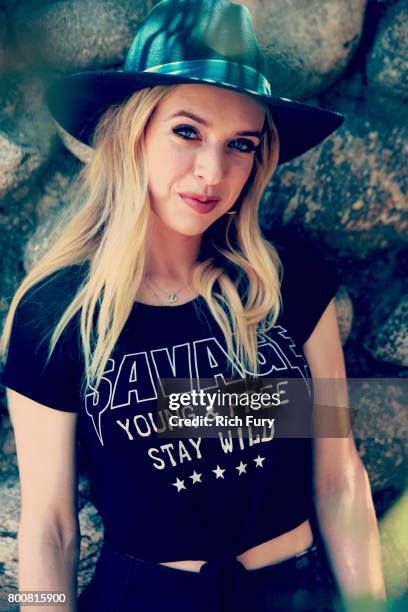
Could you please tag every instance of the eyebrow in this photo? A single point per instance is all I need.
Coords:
(185, 113)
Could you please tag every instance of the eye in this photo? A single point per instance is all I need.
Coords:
(250, 147)
(184, 128)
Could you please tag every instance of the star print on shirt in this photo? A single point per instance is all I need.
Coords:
(219, 472)
(179, 484)
(241, 468)
(258, 460)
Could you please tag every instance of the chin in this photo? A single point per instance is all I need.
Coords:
(186, 226)
(189, 230)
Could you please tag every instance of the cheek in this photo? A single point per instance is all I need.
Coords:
(242, 174)
(166, 164)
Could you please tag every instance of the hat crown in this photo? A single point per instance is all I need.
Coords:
(189, 41)
(188, 30)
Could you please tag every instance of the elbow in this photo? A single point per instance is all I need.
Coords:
(54, 533)
(352, 482)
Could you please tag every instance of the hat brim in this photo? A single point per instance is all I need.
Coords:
(77, 102)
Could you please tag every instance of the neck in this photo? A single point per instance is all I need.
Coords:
(170, 255)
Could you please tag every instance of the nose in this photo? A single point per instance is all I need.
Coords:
(209, 165)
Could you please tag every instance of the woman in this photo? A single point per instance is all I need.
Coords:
(163, 284)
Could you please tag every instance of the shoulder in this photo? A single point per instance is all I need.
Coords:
(53, 292)
(57, 284)
(309, 281)
(48, 377)
(43, 304)
(303, 261)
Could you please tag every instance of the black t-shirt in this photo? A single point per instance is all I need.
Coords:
(162, 496)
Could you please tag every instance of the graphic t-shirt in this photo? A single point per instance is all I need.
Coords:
(166, 493)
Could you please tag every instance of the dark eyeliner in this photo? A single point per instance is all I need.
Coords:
(184, 127)
(253, 148)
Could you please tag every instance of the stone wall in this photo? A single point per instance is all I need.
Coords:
(348, 195)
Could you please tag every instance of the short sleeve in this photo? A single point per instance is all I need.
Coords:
(309, 283)
(26, 370)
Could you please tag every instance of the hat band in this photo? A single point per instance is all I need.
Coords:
(217, 71)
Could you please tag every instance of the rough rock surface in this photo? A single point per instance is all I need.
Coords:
(348, 196)
(387, 63)
(308, 42)
(390, 341)
(77, 34)
(351, 189)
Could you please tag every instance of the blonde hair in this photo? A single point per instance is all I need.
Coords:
(109, 231)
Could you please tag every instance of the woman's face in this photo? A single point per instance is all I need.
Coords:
(200, 140)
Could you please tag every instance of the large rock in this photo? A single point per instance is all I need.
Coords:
(91, 542)
(344, 310)
(20, 220)
(387, 63)
(380, 426)
(77, 34)
(10, 164)
(308, 42)
(375, 285)
(55, 204)
(10, 503)
(26, 134)
(350, 189)
(90, 526)
(390, 341)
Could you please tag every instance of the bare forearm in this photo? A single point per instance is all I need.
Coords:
(49, 565)
(350, 530)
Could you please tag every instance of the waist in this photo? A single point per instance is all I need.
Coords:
(277, 549)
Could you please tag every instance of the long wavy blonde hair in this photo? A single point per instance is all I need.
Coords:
(238, 272)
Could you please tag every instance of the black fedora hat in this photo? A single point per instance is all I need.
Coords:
(189, 41)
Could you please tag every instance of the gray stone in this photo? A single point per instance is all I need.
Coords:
(387, 62)
(78, 34)
(91, 542)
(390, 341)
(10, 504)
(350, 190)
(17, 165)
(308, 42)
(375, 286)
(10, 164)
(20, 219)
(53, 206)
(348, 194)
(90, 527)
(26, 133)
(344, 310)
(380, 427)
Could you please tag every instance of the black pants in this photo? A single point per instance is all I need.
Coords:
(124, 583)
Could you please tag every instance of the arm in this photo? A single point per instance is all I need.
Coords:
(343, 499)
(48, 534)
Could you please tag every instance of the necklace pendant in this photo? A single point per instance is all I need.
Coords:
(172, 297)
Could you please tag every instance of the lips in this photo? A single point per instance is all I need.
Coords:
(197, 205)
(199, 197)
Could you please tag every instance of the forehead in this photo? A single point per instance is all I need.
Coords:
(214, 103)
